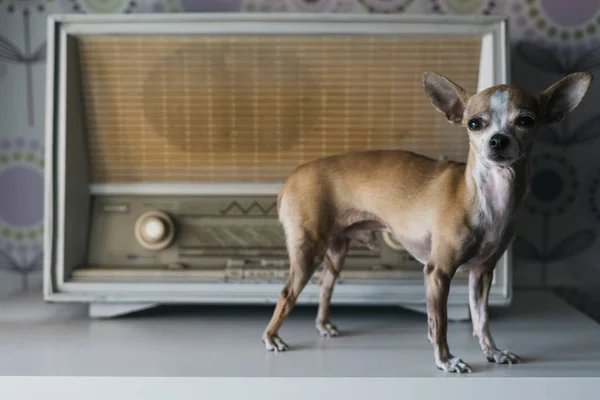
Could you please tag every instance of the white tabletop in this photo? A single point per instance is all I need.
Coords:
(38, 339)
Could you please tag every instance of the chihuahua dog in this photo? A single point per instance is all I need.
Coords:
(448, 215)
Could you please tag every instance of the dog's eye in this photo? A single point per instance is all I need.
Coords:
(475, 124)
(525, 122)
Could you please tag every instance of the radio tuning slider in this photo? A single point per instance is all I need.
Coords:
(154, 230)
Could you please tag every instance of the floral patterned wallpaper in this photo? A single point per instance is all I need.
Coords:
(557, 241)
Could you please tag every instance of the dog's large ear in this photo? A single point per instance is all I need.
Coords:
(446, 96)
(562, 97)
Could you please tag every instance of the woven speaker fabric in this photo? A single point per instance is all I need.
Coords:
(252, 108)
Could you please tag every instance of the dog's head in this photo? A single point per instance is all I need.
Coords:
(502, 121)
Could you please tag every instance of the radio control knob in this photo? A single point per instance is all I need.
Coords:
(154, 230)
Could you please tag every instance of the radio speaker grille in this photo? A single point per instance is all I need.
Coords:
(252, 108)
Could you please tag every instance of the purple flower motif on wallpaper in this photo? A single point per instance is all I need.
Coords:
(557, 21)
(21, 200)
(120, 6)
(99, 6)
(557, 60)
(594, 198)
(564, 137)
(23, 260)
(21, 205)
(211, 5)
(25, 6)
(563, 61)
(10, 53)
(554, 187)
(386, 6)
(465, 7)
(568, 247)
(308, 6)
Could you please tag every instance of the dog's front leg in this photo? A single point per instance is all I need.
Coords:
(480, 281)
(437, 287)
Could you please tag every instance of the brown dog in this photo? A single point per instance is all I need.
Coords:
(448, 215)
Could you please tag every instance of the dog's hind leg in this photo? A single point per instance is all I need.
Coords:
(334, 262)
(304, 259)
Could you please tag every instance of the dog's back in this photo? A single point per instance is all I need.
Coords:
(340, 190)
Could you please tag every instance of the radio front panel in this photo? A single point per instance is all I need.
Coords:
(213, 239)
(170, 136)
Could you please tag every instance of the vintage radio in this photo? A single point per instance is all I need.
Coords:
(169, 137)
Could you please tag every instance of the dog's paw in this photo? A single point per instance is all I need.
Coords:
(502, 357)
(453, 364)
(327, 329)
(274, 343)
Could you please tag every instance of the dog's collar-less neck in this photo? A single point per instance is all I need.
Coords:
(493, 189)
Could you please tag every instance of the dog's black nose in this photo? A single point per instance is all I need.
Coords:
(499, 141)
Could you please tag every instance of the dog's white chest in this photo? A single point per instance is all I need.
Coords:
(494, 213)
(495, 197)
